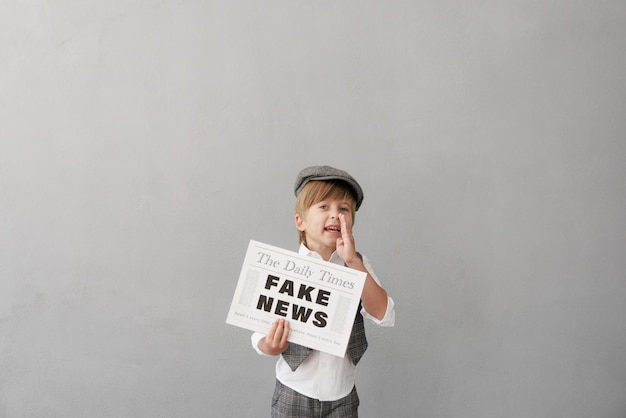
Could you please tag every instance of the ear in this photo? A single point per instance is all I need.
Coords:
(299, 223)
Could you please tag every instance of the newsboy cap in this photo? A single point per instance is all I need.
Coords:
(325, 172)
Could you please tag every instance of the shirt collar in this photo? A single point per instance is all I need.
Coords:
(305, 251)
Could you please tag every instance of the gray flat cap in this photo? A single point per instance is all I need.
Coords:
(328, 173)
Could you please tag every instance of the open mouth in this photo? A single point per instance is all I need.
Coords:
(333, 228)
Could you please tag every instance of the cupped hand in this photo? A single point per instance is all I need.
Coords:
(345, 245)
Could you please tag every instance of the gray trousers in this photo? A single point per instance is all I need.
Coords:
(287, 403)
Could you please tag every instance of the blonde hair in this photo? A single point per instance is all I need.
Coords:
(316, 191)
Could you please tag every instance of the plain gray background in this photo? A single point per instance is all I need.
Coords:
(143, 143)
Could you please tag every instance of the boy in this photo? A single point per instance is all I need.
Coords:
(311, 383)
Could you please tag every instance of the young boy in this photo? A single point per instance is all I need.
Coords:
(311, 383)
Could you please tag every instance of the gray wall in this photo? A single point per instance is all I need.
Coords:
(144, 143)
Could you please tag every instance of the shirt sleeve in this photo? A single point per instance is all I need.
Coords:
(390, 314)
(255, 338)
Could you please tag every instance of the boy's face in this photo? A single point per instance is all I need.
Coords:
(322, 226)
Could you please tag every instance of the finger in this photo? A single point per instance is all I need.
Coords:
(344, 225)
(280, 330)
(285, 335)
(346, 232)
(272, 332)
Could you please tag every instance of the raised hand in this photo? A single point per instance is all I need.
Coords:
(345, 245)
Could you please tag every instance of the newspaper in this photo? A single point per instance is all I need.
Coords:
(318, 298)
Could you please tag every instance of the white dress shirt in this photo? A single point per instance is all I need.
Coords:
(324, 376)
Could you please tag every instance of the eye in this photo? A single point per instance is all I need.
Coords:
(323, 206)
(345, 209)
